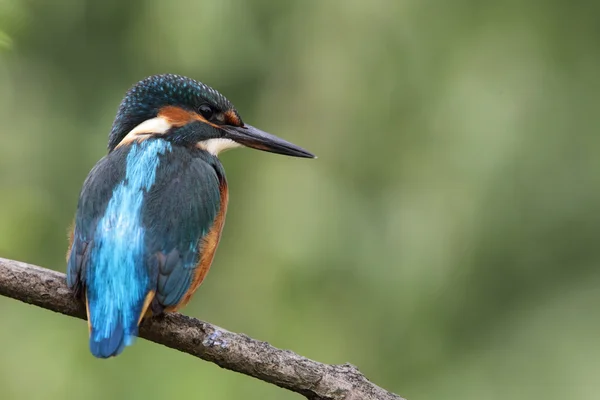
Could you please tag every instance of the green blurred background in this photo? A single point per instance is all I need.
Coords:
(445, 241)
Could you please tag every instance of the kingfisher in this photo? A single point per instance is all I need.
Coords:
(150, 213)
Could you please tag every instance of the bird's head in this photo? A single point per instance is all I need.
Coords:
(189, 113)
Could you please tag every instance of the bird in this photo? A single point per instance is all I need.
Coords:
(151, 211)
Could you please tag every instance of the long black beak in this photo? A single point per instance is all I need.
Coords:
(249, 136)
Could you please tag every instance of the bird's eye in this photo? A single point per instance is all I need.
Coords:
(206, 111)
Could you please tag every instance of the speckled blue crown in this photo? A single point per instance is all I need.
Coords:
(147, 97)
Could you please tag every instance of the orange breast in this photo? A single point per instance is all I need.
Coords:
(207, 246)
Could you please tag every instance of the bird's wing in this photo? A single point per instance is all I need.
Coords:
(96, 193)
(180, 214)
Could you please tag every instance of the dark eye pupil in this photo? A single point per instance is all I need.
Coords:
(206, 111)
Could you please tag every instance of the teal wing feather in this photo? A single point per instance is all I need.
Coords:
(180, 210)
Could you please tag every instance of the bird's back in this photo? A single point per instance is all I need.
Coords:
(142, 216)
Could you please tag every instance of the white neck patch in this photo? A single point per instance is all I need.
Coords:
(215, 146)
(155, 125)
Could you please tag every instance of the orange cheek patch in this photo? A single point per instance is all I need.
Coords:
(177, 116)
(231, 118)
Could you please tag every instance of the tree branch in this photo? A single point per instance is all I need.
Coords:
(237, 352)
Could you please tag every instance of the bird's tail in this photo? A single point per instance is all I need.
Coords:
(112, 329)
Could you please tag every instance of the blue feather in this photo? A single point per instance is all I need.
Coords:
(119, 282)
(132, 235)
